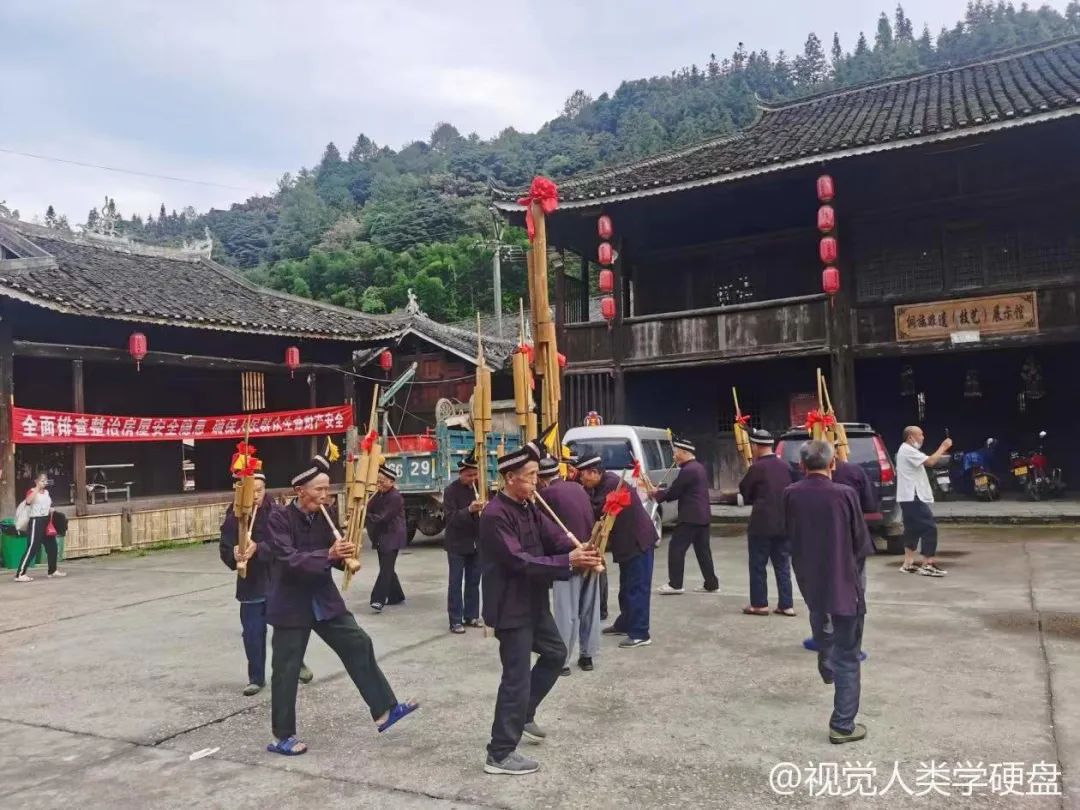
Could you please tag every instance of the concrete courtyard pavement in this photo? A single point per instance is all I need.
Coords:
(113, 678)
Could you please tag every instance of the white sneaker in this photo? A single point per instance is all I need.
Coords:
(667, 590)
(703, 589)
(24, 578)
(57, 574)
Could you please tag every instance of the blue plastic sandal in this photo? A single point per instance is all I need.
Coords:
(287, 747)
(398, 712)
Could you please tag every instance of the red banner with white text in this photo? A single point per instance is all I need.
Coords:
(33, 426)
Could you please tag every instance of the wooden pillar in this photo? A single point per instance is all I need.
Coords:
(7, 398)
(313, 402)
(619, 334)
(841, 357)
(78, 397)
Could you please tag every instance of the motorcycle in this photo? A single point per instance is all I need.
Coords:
(1034, 475)
(970, 474)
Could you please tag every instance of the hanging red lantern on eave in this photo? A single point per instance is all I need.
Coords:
(386, 360)
(826, 219)
(137, 348)
(604, 228)
(607, 308)
(607, 281)
(605, 255)
(830, 280)
(828, 250)
(292, 360)
(826, 189)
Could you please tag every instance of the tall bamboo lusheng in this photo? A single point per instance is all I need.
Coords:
(742, 437)
(524, 407)
(363, 487)
(546, 348)
(839, 432)
(481, 416)
(244, 465)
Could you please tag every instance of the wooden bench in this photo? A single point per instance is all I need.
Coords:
(102, 484)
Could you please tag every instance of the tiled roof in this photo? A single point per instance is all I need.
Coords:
(85, 276)
(1021, 86)
(454, 337)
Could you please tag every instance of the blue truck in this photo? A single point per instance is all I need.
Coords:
(427, 464)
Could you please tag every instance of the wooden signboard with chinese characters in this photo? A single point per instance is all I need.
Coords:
(992, 315)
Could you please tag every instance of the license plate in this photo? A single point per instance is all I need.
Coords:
(943, 479)
(1020, 471)
(980, 480)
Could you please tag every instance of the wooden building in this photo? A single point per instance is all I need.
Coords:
(957, 203)
(217, 346)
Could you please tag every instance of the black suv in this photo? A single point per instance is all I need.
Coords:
(867, 449)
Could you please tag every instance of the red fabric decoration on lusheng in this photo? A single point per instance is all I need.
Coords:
(546, 194)
(528, 350)
(743, 420)
(616, 501)
(826, 420)
(636, 473)
(243, 463)
(369, 441)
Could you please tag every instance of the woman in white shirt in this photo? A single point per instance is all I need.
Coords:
(40, 504)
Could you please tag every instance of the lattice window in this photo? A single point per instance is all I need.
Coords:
(252, 391)
(1003, 264)
(964, 259)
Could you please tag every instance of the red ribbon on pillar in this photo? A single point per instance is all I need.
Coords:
(543, 192)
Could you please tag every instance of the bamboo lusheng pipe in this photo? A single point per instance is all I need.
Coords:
(481, 415)
(363, 487)
(839, 432)
(558, 522)
(742, 438)
(244, 507)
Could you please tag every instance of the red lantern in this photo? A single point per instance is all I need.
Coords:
(830, 280)
(604, 227)
(607, 281)
(605, 255)
(826, 189)
(386, 361)
(826, 219)
(607, 308)
(137, 347)
(292, 360)
(828, 250)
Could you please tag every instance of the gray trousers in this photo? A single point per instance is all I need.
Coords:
(577, 614)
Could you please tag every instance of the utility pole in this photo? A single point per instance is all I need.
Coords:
(496, 270)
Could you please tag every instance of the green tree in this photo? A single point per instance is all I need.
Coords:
(811, 68)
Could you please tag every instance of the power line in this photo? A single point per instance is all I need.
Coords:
(53, 159)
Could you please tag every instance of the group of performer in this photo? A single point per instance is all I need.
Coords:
(532, 534)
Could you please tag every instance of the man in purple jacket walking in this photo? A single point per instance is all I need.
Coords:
(829, 545)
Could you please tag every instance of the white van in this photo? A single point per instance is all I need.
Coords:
(619, 446)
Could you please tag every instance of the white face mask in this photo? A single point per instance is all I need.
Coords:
(917, 445)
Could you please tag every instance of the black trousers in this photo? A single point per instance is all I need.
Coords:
(603, 596)
(520, 690)
(387, 590)
(352, 645)
(684, 536)
(38, 536)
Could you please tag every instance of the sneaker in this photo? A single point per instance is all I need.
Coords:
(585, 663)
(635, 642)
(252, 689)
(841, 737)
(612, 631)
(459, 629)
(57, 574)
(514, 764)
(377, 607)
(533, 733)
(473, 623)
(931, 570)
(24, 578)
(910, 569)
(603, 615)
(703, 589)
(667, 590)
(306, 675)
(565, 671)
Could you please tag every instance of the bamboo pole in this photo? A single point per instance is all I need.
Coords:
(364, 485)
(558, 522)
(742, 438)
(244, 507)
(839, 431)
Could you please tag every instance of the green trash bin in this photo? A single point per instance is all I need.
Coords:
(12, 545)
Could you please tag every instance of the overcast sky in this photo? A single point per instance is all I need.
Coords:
(237, 92)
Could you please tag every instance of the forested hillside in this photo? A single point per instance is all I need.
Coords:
(358, 229)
